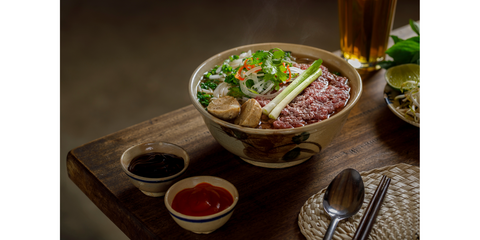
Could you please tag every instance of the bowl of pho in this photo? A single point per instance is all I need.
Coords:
(275, 105)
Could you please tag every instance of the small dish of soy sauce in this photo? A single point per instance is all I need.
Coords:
(153, 167)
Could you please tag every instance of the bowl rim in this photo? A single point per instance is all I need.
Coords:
(310, 127)
(186, 163)
(207, 218)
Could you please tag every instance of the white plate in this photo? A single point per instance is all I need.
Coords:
(389, 95)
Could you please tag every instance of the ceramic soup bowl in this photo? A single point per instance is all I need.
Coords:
(278, 148)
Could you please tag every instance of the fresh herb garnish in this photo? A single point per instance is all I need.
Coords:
(226, 68)
(235, 92)
(273, 68)
(231, 79)
(214, 70)
(209, 84)
(234, 89)
(288, 54)
(404, 50)
(272, 65)
(204, 98)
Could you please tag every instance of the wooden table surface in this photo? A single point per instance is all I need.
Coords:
(270, 199)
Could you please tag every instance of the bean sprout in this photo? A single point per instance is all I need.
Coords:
(410, 101)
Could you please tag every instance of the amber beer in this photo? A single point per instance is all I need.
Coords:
(364, 31)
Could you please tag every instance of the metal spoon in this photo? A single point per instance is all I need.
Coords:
(343, 198)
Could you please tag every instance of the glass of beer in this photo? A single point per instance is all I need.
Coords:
(364, 32)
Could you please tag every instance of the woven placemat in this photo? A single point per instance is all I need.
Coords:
(398, 218)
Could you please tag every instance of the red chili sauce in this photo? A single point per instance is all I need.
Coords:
(202, 200)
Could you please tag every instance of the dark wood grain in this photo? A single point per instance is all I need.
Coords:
(270, 199)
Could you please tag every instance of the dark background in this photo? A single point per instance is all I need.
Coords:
(124, 62)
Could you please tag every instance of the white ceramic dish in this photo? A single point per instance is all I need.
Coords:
(202, 224)
(153, 187)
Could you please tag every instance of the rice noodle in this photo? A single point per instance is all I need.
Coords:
(296, 70)
(235, 63)
(255, 69)
(246, 54)
(258, 84)
(220, 90)
(225, 91)
(215, 77)
(268, 88)
(205, 90)
(264, 94)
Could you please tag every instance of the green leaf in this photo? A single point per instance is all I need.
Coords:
(278, 53)
(396, 39)
(268, 67)
(404, 51)
(416, 58)
(281, 73)
(414, 39)
(415, 27)
(269, 77)
(386, 64)
(260, 56)
(282, 76)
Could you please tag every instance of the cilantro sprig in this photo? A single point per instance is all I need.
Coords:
(404, 50)
(272, 65)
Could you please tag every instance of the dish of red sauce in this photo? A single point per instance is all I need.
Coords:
(202, 200)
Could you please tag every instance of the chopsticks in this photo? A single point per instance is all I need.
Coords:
(368, 219)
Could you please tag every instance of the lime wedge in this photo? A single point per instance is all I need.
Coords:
(403, 76)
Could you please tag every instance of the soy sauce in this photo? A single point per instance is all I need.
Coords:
(156, 165)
